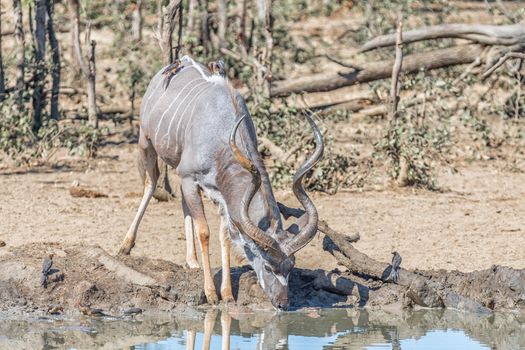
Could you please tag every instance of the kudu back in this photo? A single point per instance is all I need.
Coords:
(198, 124)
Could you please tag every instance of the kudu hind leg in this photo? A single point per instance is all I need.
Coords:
(192, 195)
(191, 252)
(148, 157)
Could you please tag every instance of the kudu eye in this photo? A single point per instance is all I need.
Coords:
(267, 268)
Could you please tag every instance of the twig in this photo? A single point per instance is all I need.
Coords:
(467, 71)
(341, 63)
(500, 62)
(394, 89)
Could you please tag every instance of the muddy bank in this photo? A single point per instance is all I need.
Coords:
(96, 279)
(89, 276)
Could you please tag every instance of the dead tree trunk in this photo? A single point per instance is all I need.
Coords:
(169, 13)
(2, 78)
(241, 14)
(402, 176)
(87, 68)
(190, 27)
(74, 14)
(398, 62)
(263, 50)
(221, 19)
(91, 79)
(55, 54)
(20, 53)
(136, 21)
(40, 75)
(428, 60)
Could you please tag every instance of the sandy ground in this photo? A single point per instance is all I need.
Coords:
(475, 222)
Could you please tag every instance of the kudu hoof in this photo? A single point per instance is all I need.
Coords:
(125, 248)
(212, 298)
(228, 299)
(192, 265)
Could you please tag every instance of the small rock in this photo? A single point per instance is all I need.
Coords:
(424, 295)
(200, 298)
(514, 284)
(55, 310)
(132, 311)
(168, 293)
(79, 192)
(2, 243)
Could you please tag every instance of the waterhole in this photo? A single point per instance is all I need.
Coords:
(305, 329)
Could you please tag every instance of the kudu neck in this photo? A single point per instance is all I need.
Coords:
(233, 181)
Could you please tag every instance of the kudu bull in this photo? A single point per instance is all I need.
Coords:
(198, 124)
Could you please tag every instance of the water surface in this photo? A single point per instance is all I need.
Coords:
(311, 329)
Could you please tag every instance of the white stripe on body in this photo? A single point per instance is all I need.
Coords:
(160, 97)
(171, 104)
(175, 113)
(195, 97)
(152, 92)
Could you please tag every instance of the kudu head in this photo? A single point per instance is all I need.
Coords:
(271, 252)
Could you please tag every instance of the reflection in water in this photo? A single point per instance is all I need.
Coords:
(322, 329)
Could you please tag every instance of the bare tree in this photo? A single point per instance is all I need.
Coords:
(136, 21)
(402, 177)
(167, 26)
(87, 66)
(190, 26)
(398, 63)
(20, 52)
(40, 49)
(263, 50)
(222, 18)
(2, 81)
(55, 54)
(74, 12)
(90, 74)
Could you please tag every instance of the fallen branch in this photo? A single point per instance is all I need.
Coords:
(428, 60)
(341, 63)
(332, 282)
(420, 289)
(105, 113)
(276, 151)
(318, 100)
(322, 226)
(382, 109)
(350, 106)
(484, 34)
(120, 269)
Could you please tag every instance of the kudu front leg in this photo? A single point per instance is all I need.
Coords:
(191, 252)
(226, 283)
(192, 195)
(148, 157)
